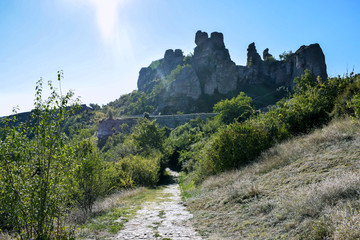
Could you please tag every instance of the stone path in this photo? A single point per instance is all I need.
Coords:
(165, 218)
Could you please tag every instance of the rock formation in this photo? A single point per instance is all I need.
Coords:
(194, 83)
(213, 65)
(148, 77)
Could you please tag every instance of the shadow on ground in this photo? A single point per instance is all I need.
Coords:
(168, 177)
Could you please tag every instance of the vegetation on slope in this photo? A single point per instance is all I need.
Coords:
(305, 188)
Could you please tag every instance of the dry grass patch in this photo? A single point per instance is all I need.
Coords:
(292, 190)
(111, 213)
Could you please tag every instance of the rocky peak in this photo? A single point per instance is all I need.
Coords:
(266, 54)
(149, 76)
(253, 57)
(211, 74)
(200, 37)
(170, 55)
(171, 60)
(213, 65)
(309, 57)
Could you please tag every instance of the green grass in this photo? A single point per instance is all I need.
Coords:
(305, 188)
(186, 186)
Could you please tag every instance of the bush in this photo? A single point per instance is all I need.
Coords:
(236, 109)
(147, 136)
(89, 176)
(235, 146)
(142, 171)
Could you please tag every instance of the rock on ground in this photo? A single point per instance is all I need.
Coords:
(165, 218)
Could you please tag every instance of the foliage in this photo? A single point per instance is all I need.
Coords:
(133, 103)
(89, 176)
(285, 55)
(147, 136)
(304, 82)
(354, 103)
(36, 161)
(185, 141)
(270, 59)
(310, 106)
(236, 109)
(142, 171)
(345, 101)
(235, 146)
(172, 76)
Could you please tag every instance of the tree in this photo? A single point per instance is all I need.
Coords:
(148, 136)
(304, 82)
(88, 176)
(238, 108)
(36, 163)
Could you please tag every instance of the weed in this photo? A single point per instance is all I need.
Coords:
(162, 214)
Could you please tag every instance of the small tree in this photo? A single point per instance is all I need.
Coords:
(88, 176)
(148, 136)
(304, 82)
(36, 163)
(236, 109)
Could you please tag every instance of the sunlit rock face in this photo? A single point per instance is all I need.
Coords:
(194, 83)
(212, 64)
(149, 76)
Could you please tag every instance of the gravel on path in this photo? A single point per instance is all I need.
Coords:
(165, 218)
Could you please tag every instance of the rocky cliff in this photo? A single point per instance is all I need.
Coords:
(194, 83)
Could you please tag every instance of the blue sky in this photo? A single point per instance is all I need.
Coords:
(102, 44)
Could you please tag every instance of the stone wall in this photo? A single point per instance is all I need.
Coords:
(109, 126)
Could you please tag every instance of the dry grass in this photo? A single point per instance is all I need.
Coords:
(292, 192)
(6, 236)
(105, 205)
(109, 214)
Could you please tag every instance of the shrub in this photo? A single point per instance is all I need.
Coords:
(147, 136)
(143, 171)
(89, 176)
(236, 109)
(235, 146)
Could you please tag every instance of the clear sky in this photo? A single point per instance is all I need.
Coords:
(102, 44)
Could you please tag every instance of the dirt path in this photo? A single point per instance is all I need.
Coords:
(164, 218)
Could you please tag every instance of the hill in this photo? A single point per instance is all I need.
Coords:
(305, 188)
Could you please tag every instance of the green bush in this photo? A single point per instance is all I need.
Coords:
(346, 102)
(147, 136)
(354, 103)
(236, 109)
(89, 176)
(142, 171)
(235, 146)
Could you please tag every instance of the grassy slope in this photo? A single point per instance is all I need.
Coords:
(306, 188)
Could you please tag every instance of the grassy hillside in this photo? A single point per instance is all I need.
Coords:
(305, 188)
